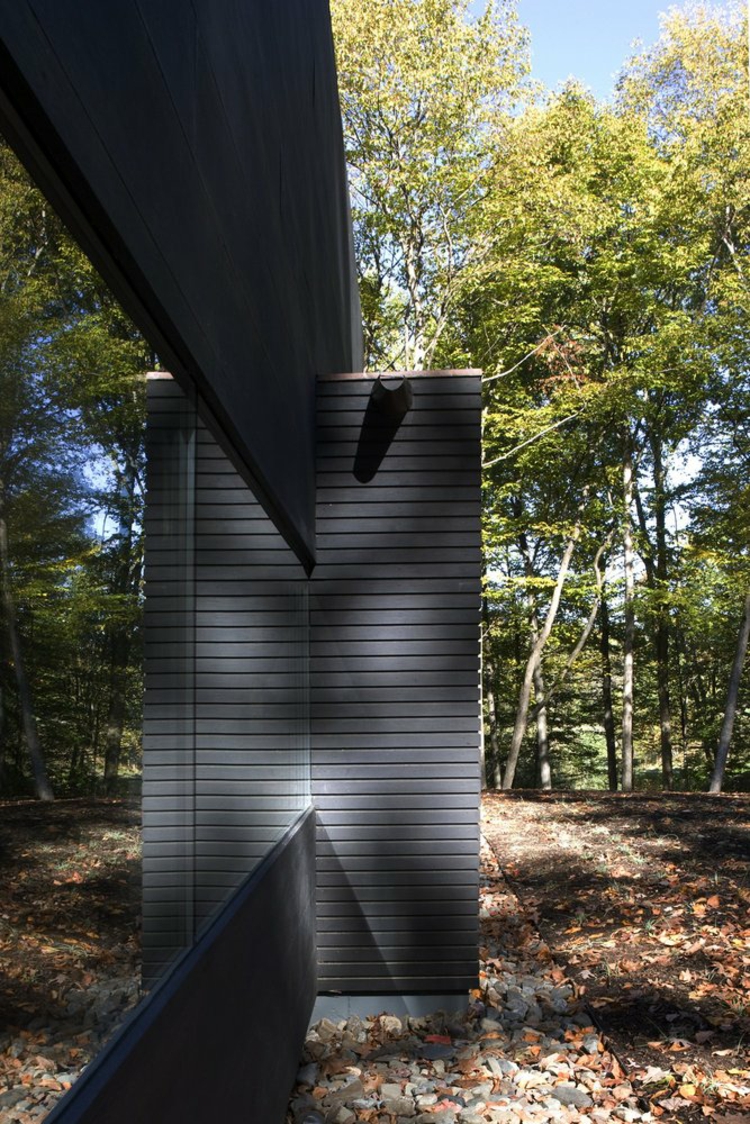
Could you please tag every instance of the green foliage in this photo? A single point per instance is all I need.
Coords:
(593, 260)
(423, 87)
(72, 412)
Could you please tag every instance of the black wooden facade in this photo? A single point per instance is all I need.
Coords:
(395, 685)
(393, 664)
(226, 726)
(196, 151)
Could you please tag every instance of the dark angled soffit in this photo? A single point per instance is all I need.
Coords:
(195, 150)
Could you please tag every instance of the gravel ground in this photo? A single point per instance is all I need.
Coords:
(524, 1049)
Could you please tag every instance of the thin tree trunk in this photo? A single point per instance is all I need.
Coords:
(74, 764)
(585, 633)
(117, 708)
(412, 261)
(492, 773)
(627, 674)
(3, 741)
(730, 711)
(123, 584)
(41, 782)
(544, 766)
(490, 759)
(609, 715)
(662, 622)
(665, 707)
(522, 709)
(682, 688)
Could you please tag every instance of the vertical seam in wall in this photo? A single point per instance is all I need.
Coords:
(191, 474)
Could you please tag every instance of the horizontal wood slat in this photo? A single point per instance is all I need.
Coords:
(226, 713)
(395, 688)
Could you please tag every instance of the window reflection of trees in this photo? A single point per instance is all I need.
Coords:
(72, 427)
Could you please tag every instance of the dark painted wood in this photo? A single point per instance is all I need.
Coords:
(203, 748)
(395, 691)
(196, 151)
(237, 1005)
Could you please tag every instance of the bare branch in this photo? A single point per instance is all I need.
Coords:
(539, 346)
(530, 440)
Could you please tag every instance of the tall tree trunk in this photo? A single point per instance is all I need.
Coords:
(682, 688)
(627, 671)
(544, 767)
(492, 772)
(665, 708)
(42, 785)
(524, 696)
(662, 620)
(3, 740)
(586, 631)
(730, 711)
(117, 708)
(609, 714)
(123, 584)
(490, 757)
(413, 264)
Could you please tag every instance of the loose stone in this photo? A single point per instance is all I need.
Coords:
(571, 1095)
(400, 1106)
(349, 1092)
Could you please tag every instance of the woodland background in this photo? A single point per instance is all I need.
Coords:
(592, 258)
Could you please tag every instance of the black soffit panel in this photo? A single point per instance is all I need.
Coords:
(196, 152)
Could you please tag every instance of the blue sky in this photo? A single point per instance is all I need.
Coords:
(587, 39)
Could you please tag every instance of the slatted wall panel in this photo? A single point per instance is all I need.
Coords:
(226, 734)
(168, 709)
(395, 690)
(251, 649)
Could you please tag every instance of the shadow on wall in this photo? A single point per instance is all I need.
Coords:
(343, 922)
(386, 409)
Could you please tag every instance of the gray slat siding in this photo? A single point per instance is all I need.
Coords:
(226, 710)
(394, 613)
(168, 833)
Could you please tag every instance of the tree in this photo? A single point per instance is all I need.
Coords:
(72, 414)
(423, 90)
(29, 434)
(99, 339)
(725, 737)
(605, 280)
(690, 88)
(532, 675)
(592, 259)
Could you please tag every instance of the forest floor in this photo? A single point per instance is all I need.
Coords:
(614, 979)
(614, 984)
(644, 901)
(70, 891)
